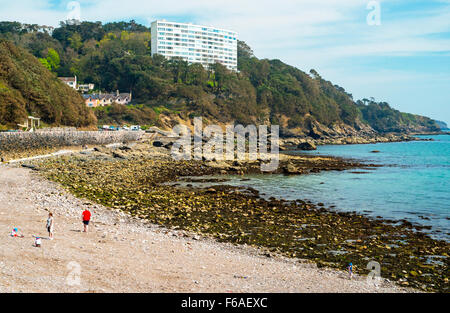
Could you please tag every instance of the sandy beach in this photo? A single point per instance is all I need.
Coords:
(125, 254)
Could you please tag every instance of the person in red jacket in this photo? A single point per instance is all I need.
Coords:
(86, 218)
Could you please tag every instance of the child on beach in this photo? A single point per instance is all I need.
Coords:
(350, 270)
(15, 233)
(37, 242)
(50, 226)
(86, 218)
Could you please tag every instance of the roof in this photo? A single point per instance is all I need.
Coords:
(197, 25)
(123, 95)
(67, 79)
(107, 96)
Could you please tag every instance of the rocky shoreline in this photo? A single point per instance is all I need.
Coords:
(133, 179)
(22, 145)
(311, 143)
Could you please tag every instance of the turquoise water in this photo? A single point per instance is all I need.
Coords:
(413, 184)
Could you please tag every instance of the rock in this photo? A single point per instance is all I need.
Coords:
(101, 156)
(168, 145)
(307, 146)
(238, 163)
(349, 141)
(158, 143)
(119, 155)
(125, 148)
(291, 169)
(101, 149)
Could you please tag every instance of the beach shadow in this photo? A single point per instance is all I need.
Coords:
(76, 230)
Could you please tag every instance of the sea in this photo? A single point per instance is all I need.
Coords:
(413, 183)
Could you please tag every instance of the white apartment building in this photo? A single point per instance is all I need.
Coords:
(195, 43)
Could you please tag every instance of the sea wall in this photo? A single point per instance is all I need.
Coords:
(22, 141)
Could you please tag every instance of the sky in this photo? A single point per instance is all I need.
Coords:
(396, 51)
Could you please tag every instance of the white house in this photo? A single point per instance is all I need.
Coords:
(70, 81)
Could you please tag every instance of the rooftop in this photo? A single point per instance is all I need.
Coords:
(192, 24)
(67, 79)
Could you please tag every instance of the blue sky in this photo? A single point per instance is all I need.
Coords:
(405, 60)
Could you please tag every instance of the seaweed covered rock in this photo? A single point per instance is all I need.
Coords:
(307, 146)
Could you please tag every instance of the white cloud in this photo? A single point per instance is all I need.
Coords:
(267, 25)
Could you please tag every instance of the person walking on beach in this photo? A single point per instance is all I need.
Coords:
(86, 218)
(50, 224)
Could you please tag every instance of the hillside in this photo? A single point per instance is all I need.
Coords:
(27, 88)
(443, 125)
(117, 56)
(385, 119)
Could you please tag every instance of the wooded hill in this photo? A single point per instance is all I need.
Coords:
(117, 56)
(28, 88)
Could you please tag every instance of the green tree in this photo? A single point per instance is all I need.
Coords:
(53, 59)
(196, 74)
(221, 75)
(244, 50)
(178, 68)
(45, 63)
(51, 62)
(75, 42)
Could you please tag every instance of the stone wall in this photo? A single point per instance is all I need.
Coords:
(22, 141)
